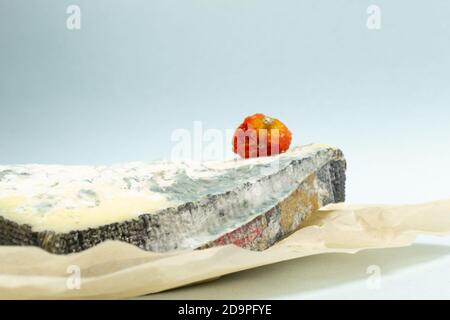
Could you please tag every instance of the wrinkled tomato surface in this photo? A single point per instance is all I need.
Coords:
(260, 136)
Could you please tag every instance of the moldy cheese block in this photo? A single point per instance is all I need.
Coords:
(252, 203)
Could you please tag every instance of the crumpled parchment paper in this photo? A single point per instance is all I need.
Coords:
(119, 270)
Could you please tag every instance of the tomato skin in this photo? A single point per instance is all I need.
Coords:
(260, 135)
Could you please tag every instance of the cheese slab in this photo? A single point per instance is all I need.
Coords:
(167, 206)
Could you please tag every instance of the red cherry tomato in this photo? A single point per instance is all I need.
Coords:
(260, 135)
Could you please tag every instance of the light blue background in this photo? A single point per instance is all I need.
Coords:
(137, 70)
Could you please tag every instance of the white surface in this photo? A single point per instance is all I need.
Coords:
(416, 272)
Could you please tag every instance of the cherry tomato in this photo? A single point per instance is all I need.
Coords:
(260, 135)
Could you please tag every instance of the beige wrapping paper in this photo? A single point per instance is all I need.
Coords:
(120, 270)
